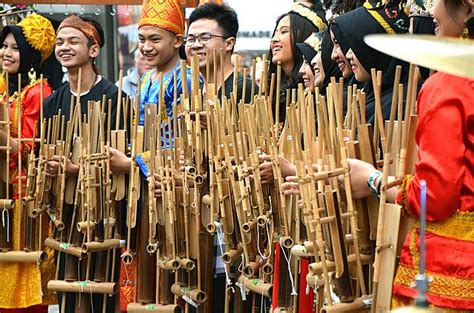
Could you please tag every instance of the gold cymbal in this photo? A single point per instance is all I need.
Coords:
(449, 55)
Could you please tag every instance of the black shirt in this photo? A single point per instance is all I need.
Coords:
(229, 86)
(61, 100)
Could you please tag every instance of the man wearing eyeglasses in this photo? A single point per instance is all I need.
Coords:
(214, 27)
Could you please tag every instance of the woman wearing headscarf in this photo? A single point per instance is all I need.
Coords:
(323, 66)
(445, 140)
(24, 48)
(350, 29)
(309, 49)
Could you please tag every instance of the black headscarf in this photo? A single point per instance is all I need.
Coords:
(423, 24)
(329, 66)
(30, 58)
(350, 30)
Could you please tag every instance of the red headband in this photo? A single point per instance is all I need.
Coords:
(87, 28)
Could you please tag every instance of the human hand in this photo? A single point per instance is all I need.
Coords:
(359, 174)
(54, 164)
(119, 162)
(291, 187)
(266, 170)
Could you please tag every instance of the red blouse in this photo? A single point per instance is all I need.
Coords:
(445, 138)
(30, 110)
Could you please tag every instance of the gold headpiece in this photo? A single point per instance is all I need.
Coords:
(311, 16)
(314, 41)
(39, 34)
(389, 18)
(166, 14)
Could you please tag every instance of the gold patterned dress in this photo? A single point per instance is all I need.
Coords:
(24, 284)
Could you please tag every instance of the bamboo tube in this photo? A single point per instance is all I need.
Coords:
(82, 226)
(263, 220)
(20, 177)
(257, 286)
(267, 268)
(251, 268)
(158, 308)
(186, 264)
(248, 226)
(83, 287)
(301, 251)
(286, 241)
(317, 267)
(23, 256)
(334, 173)
(231, 255)
(57, 222)
(361, 304)
(146, 262)
(7, 204)
(211, 228)
(195, 294)
(64, 247)
(169, 265)
(29, 203)
(95, 246)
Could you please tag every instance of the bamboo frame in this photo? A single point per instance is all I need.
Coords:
(83, 287)
(157, 308)
(23, 256)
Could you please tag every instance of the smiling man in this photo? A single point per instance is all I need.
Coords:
(160, 32)
(214, 27)
(78, 43)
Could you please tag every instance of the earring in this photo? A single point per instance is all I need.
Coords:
(465, 33)
(32, 76)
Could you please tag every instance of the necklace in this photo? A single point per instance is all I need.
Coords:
(94, 82)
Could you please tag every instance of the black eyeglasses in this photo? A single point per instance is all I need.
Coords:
(203, 39)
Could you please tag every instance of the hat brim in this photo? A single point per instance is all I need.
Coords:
(305, 49)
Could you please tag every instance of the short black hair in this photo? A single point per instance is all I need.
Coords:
(225, 16)
(96, 26)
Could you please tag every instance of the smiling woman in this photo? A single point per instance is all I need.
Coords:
(291, 28)
(324, 67)
(353, 56)
(10, 55)
(24, 48)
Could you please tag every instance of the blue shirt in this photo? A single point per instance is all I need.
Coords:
(150, 94)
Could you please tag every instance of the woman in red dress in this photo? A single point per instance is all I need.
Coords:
(445, 140)
(24, 48)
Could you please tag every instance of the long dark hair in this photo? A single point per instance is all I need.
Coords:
(301, 28)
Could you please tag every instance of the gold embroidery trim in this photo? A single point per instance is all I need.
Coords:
(440, 285)
(163, 114)
(13, 100)
(459, 226)
(376, 15)
(314, 42)
(403, 191)
(401, 301)
(413, 247)
(305, 12)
